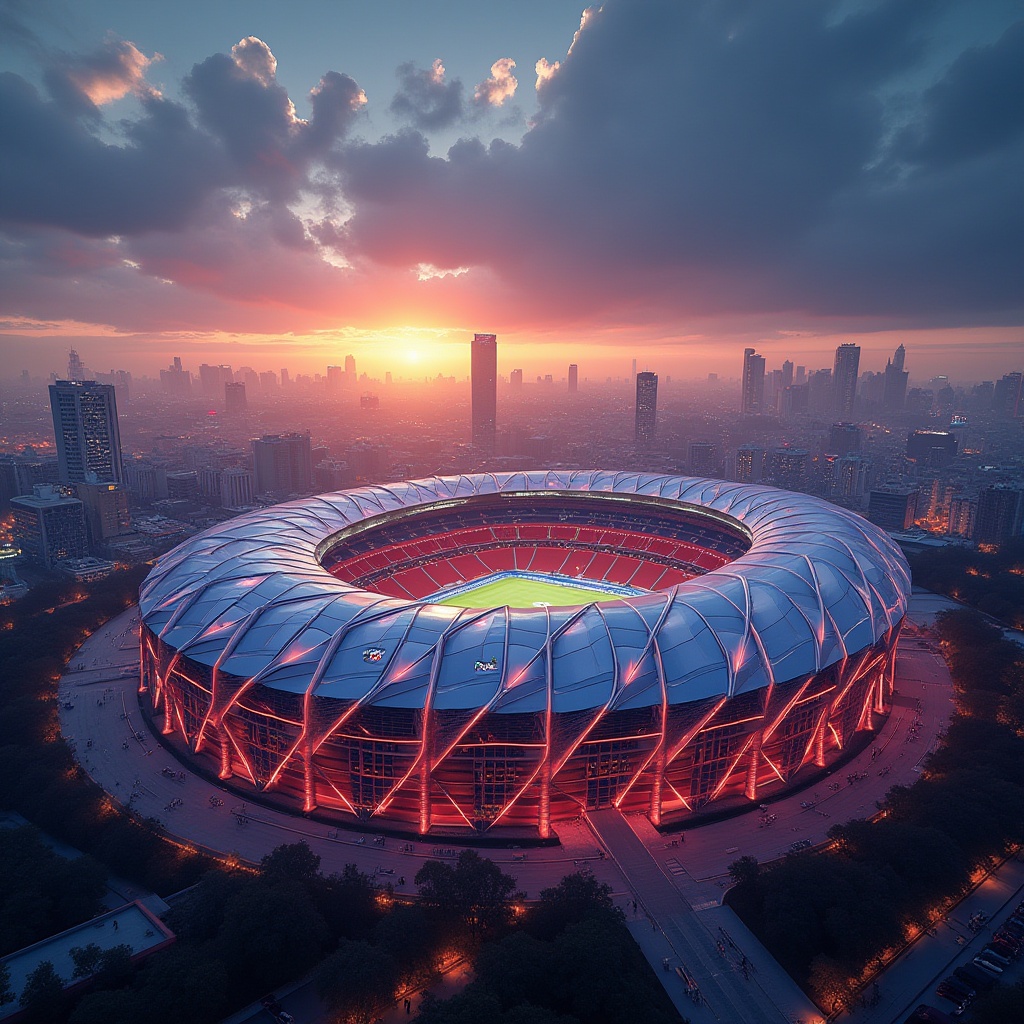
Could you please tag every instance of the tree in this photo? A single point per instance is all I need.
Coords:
(43, 996)
(744, 870)
(830, 983)
(476, 891)
(271, 932)
(357, 981)
(86, 959)
(294, 862)
(577, 896)
(409, 936)
(6, 992)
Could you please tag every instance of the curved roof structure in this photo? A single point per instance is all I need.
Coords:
(251, 599)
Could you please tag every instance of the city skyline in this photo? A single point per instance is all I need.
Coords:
(248, 192)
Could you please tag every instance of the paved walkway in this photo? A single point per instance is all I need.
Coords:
(717, 980)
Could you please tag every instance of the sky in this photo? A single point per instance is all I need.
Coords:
(272, 184)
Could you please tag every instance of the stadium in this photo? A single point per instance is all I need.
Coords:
(502, 651)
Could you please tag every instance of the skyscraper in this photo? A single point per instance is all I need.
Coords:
(76, 369)
(484, 371)
(646, 408)
(752, 403)
(86, 429)
(515, 380)
(213, 378)
(234, 399)
(999, 515)
(350, 371)
(176, 380)
(894, 386)
(49, 526)
(574, 378)
(283, 464)
(844, 378)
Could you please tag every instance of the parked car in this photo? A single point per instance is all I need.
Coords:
(987, 965)
(975, 977)
(925, 1014)
(960, 986)
(993, 954)
(1004, 948)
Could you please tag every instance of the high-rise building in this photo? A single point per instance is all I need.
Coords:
(76, 369)
(793, 401)
(704, 458)
(632, 377)
(844, 378)
(515, 379)
(788, 468)
(844, 439)
(350, 371)
(998, 519)
(894, 388)
(851, 477)
(752, 403)
(484, 397)
(962, 513)
(1007, 396)
(646, 426)
(750, 464)
(213, 378)
(283, 464)
(106, 510)
(176, 380)
(574, 378)
(87, 432)
(234, 399)
(49, 526)
(235, 487)
(787, 373)
(893, 508)
(931, 447)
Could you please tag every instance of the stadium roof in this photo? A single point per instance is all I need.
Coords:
(250, 597)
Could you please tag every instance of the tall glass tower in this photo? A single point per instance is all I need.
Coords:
(484, 370)
(753, 383)
(646, 408)
(85, 427)
(844, 378)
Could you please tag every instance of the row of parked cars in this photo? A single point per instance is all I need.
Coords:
(985, 969)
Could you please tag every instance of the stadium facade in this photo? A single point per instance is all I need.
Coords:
(307, 653)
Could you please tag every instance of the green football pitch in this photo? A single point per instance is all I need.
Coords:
(520, 593)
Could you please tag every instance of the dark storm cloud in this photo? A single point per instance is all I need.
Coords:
(688, 158)
(425, 99)
(57, 172)
(977, 108)
(728, 153)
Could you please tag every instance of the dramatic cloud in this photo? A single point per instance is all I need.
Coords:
(545, 70)
(501, 86)
(425, 99)
(114, 71)
(717, 157)
(784, 162)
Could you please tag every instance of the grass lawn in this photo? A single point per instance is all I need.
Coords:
(520, 593)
